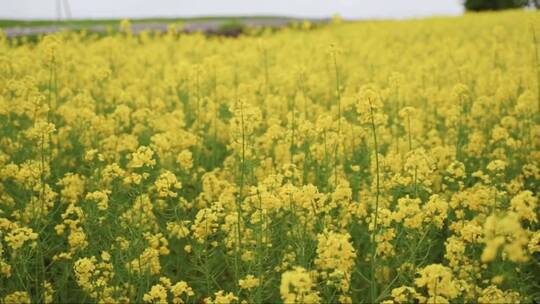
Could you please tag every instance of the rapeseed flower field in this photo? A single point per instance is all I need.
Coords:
(356, 162)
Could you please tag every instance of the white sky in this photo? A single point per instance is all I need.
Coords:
(47, 9)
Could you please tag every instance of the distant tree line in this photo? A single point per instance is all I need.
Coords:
(484, 5)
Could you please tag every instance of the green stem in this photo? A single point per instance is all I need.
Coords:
(338, 97)
(373, 283)
(537, 58)
(240, 195)
(409, 126)
(293, 122)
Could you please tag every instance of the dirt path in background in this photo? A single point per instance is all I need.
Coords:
(209, 27)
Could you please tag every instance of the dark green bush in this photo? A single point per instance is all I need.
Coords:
(483, 5)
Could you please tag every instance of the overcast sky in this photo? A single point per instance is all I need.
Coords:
(48, 9)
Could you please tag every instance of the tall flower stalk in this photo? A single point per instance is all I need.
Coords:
(368, 103)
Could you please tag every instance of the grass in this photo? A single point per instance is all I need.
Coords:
(82, 23)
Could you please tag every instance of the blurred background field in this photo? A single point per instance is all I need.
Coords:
(35, 17)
